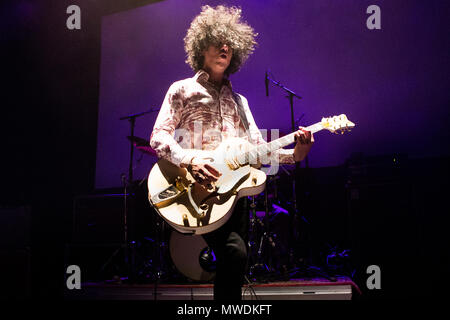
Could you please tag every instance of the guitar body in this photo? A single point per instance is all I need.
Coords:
(192, 208)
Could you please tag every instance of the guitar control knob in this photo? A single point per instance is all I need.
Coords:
(204, 207)
(185, 220)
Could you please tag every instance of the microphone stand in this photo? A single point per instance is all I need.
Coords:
(291, 95)
(308, 270)
(130, 259)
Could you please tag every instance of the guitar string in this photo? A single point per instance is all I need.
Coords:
(260, 150)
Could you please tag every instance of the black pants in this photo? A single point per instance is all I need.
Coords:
(229, 244)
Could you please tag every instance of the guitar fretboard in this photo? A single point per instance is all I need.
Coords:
(264, 149)
(284, 141)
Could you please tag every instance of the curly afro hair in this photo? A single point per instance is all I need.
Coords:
(215, 26)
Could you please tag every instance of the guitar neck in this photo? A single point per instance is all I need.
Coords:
(274, 145)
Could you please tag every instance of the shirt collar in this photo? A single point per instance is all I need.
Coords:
(202, 75)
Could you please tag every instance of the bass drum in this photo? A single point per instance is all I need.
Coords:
(191, 256)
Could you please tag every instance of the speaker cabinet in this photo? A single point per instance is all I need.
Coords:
(15, 252)
(98, 219)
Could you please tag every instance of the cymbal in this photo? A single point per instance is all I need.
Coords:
(138, 141)
(147, 150)
(142, 145)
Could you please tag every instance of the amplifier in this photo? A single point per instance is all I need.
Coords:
(98, 219)
(15, 252)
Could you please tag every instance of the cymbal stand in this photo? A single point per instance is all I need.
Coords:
(261, 247)
(130, 247)
(159, 269)
(252, 233)
(255, 249)
(268, 235)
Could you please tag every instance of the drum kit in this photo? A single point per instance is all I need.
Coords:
(270, 253)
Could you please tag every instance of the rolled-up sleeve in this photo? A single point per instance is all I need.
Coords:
(162, 137)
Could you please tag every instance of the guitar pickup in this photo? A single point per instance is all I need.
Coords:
(169, 194)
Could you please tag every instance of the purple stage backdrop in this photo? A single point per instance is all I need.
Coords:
(393, 83)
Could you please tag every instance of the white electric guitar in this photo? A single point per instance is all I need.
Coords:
(190, 207)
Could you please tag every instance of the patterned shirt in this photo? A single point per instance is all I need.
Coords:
(196, 115)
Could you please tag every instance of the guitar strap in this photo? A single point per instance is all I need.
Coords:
(241, 112)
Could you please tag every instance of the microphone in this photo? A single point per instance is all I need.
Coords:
(267, 84)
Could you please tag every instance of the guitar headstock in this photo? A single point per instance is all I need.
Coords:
(337, 124)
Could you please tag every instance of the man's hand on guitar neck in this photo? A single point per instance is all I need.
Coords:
(203, 172)
(305, 140)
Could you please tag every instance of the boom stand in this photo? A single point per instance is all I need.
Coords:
(129, 247)
(307, 270)
(291, 96)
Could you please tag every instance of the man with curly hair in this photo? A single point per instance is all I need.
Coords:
(199, 113)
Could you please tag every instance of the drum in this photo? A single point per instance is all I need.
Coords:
(191, 256)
